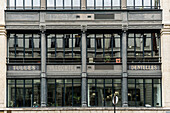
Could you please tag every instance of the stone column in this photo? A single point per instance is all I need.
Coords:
(43, 69)
(83, 4)
(43, 4)
(124, 68)
(83, 68)
(3, 55)
(165, 54)
(123, 4)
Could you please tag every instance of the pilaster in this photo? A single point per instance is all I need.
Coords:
(43, 4)
(84, 66)
(123, 4)
(3, 53)
(83, 4)
(43, 68)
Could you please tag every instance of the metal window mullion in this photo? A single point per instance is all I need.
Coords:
(24, 94)
(135, 45)
(64, 46)
(15, 4)
(112, 44)
(23, 4)
(103, 4)
(63, 4)
(15, 45)
(72, 45)
(8, 48)
(32, 4)
(112, 89)
(121, 45)
(142, 3)
(103, 46)
(72, 93)
(80, 4)
(32, 41)
(7, 93)
(111, 4)
(24, 45)
(94, 4)
(55, 46)
(55, 4)
(15, 93)
(144, 91)
(95, 92)
(135, 94)
(151, 3)
(71, 4)
(95, 44)
(159, 48)
(32, 92)
(144, 46)
(151, 44)
(64, 92)
(134, 4)
(161, 90)
(55, 92)
(120, 3)
(104, 92)
(152, 93)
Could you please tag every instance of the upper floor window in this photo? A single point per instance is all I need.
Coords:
(23, 48)
(64, 4)
(103, 4)
(143, 4)
(24, 4)
(143, 47)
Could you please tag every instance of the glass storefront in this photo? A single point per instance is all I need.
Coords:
(64, 92)
(23, 93)
(144, 92)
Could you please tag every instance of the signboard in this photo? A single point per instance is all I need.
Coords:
(144, 67)
(115, 100)
(23, 67)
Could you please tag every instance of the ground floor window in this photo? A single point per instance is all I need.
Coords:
(64, 92)
(144, 92)
(100, 91)
(23, 92)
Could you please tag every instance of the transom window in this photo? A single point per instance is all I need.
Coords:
(143, 4)
(24, 4)
(103, 4)
(64, 4)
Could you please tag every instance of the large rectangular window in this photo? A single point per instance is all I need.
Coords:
(64, 48)
(144, 92)
(64, 4)
(103, 4)
(143, 4)
(143, 47)
(23, 93)
(23, 48)
(103, 47)
(101, 91)
(23, 4)
(64, 92)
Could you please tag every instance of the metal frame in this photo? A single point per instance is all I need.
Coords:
(144, 91)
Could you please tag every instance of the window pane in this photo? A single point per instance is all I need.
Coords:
(131, 94)
(90, 4)
(130, 2)
(77, 94)
(138, 3)
(91, 95)
(19, 93)
(36, 101)
(107, 4)
(59, 95)
(50, 3)
(100, 94)
(117, 91)
(11, 3)
(59, 4)
(28, 3)
(19, 4)
(116, 3)
(148, 95)
(76, 3)
(51, 92)
(157, 95)
(108, 94)
(67, 4)
(28, 93)
(28, 45)
(139, 94)
(68, 94)
(147, 3)
(36, 3)
(11, 93)
(99, 4)
(155, 4)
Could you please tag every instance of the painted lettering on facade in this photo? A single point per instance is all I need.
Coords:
(144, 67)
(24, 68)
(63, 68)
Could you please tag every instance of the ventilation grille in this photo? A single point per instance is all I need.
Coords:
(104, 16)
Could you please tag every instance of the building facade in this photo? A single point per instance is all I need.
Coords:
(75, 55)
